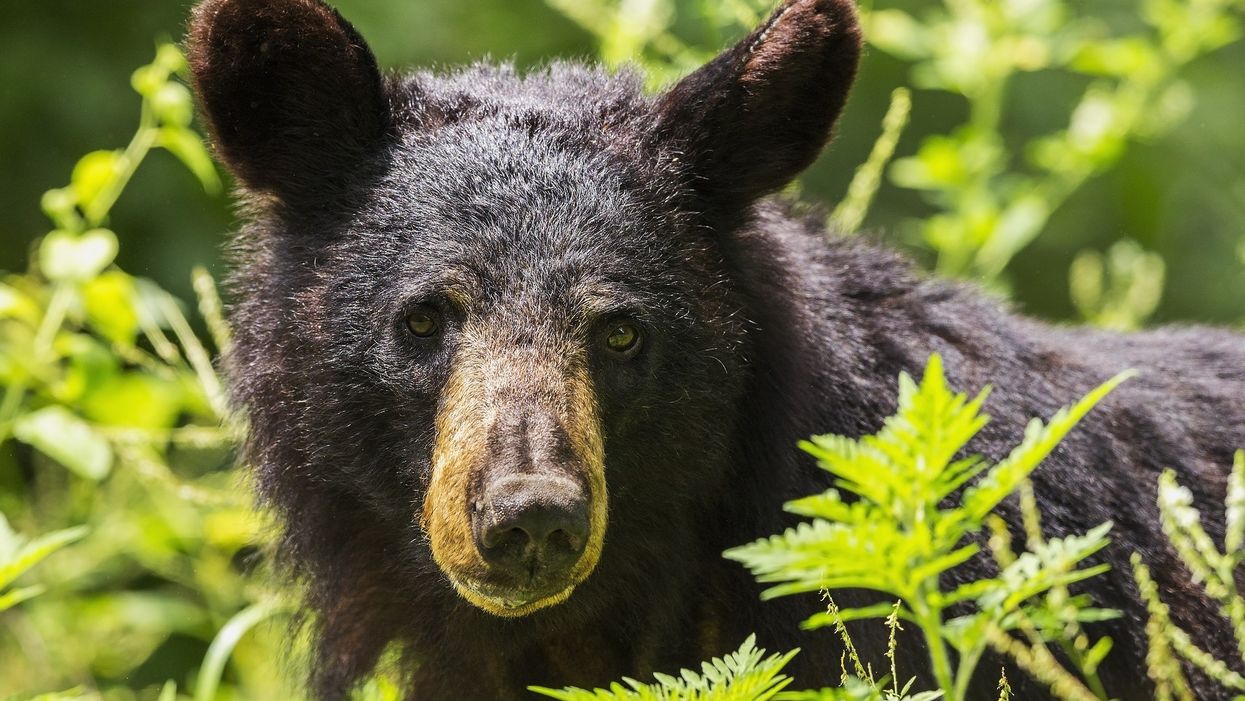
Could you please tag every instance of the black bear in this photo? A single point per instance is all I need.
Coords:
(522, 355)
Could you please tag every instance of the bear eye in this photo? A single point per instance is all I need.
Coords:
(623, 338)
(423, 322)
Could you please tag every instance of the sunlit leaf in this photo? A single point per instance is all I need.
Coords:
(34, 552)
(16, 305)
(745, 675)
(186, 145)
(148, 79)
(173, 105)
(93, 174)
(135, 400)
(110, 306)
(67, 439)
(68, 257)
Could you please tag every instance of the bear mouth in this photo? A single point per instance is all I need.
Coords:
(510, 602)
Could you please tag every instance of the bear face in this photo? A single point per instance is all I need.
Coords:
(492, 313)
(565, 314)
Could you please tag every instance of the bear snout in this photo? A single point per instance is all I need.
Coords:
(531, 529)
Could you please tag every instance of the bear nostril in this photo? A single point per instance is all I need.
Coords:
(562, 540)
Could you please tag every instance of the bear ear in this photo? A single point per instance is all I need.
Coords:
(291, 92)
(754, 117)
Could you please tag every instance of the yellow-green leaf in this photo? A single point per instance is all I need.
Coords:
(110, 306)
(93, 174)
(67, 439)
(68, 257)
(186, 145)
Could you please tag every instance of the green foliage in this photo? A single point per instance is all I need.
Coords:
(849, 215)
(912, 518)
(1214, 569)
(642, 31)
(116, 396)
(745, 675)
(17, 555)
(859, 684)
(1118, 291)
(992, 206)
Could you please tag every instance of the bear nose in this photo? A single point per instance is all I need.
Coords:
(529, 524)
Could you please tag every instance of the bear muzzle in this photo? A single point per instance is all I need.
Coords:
(517, 506)
(531, 530)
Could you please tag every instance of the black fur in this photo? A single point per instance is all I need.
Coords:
(367, 194)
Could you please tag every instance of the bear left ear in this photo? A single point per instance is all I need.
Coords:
(291, 92)
(758, 114)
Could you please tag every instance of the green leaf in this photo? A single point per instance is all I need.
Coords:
(35, 552)
(1003, 479)
(147, 80)
(897, 33)
(68, 257)
(1130, 56)
(877, 611)
(134, 400)
(110, 301)
(69, 440)
(90, 365)
(170, 58)
(92, 176)
(1234, 540)
(12, 598)
(60, 205)
(173, 105)
(226, 640)
(186, 145)
(16, 305)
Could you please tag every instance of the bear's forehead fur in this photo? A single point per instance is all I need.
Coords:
(534, 183)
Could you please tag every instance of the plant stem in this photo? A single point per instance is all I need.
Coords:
(143, 141)
(967, 666)
(194, 351)
(929, 620)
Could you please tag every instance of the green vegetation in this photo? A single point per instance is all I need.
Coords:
(139, 571)
(1213, 568)
(123, 414)
(898, 536)
(746, 675)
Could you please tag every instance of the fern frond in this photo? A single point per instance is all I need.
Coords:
(1040, 439)
(1162, 665)
(745, 675)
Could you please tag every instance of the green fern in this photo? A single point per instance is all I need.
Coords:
(897, 533)
(1213, 569)
(745, 675)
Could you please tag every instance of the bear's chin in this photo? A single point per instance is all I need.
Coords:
(515, 604)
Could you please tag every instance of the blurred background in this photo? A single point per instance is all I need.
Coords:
(1084, 160)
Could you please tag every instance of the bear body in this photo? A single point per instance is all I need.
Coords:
(555, 303)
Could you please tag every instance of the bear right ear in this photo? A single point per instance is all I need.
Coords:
(751, 119)
(291, 92)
